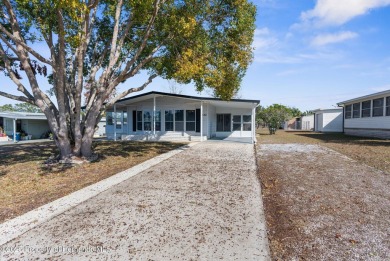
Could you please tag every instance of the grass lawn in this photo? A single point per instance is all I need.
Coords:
(27, 184)
(373, 152)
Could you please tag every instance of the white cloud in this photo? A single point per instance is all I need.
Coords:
(324, 39)
(381, 88)
(336, 12)
(263, 39)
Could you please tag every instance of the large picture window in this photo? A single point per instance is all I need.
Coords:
(348, 111)
(224, 122)
(377, 107)
(356, 110)
(366, 109)
(388, 106)
(190, 120)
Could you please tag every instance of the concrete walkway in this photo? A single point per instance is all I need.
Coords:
(201, 204)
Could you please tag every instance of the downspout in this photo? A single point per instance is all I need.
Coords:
(254, 123)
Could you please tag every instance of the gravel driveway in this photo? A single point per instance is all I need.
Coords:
(202, 204)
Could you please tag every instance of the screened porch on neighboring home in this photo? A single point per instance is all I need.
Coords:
(165, 116)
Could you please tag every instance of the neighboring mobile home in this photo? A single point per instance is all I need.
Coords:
(328, 120)
(368, 116)
(307, 122)
(166, 116)
(33, 124)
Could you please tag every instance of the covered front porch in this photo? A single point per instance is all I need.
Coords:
(158, 116)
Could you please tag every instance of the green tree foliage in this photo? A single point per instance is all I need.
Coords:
(93, 46)
(20, 107)
(275, 115)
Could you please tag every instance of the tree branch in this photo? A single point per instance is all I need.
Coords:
(17, 98)
(25, 46)
(127, 92)
(13, 77)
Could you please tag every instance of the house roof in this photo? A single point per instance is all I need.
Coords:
(366, 97)
(23, 115)
(328, 110)
(215, 101)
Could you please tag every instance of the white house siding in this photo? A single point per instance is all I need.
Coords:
(307, 122)
(333, 122)
(372, 126)
(234, 111)
(212, 120)
(329, 121)
(377, 127)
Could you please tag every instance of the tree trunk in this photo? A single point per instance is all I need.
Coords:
(86, 145)
(64, 147)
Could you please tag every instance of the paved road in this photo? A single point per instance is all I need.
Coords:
(202, 204)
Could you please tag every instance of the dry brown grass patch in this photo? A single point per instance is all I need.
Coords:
(26, 183)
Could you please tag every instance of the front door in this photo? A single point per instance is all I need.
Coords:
(197, 120)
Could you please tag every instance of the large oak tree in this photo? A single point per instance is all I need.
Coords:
(93, 46)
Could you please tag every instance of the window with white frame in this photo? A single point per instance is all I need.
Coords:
(157, 119)
(190, 120)
(388, 106)
(139, 120)
(356, 110)
(147, 120)
(246, 122)
(223, 122)
(348, 111)
(377, 107)
(179, 120)
(236, 122)
(109, 118)
(366, 109)
(169, 120)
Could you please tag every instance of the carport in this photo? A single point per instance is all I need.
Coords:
(35, 124)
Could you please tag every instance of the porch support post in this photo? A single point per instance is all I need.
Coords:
(201, 121)
(114, 122)
(14, 129)
(154, 115)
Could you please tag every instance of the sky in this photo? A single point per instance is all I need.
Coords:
(308, 54)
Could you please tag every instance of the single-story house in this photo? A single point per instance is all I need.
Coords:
(166, 116)
(34, 125)
(367, 116)
(328, 120)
